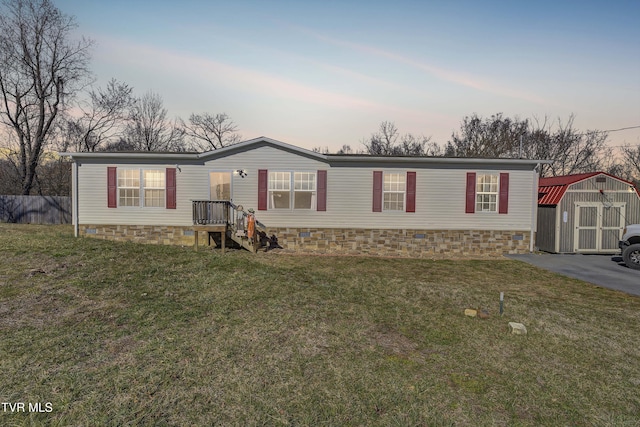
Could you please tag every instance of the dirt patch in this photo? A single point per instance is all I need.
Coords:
(393, 342)
(50, 308)
(397, 345)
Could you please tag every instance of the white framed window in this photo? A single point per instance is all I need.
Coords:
(486, 192)
(154, 187)
(128, 187)
(141, 187)
(394, 191)
(279, 190)
(292, 190)
(304, 190)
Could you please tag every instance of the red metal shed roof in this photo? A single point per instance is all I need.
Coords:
(551, 190)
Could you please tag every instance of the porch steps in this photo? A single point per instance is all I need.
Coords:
(222, 216)
(244, 242)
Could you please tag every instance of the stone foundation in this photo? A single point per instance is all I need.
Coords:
(154, 234)
(410, 243)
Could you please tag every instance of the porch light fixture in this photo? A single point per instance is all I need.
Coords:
(241, 172)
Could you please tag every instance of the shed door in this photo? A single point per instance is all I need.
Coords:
(612, 226)
(598, 226)
(586, 236)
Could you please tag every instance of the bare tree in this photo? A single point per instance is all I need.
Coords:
(387, 141)
(571, 150)
(346, 149)
(150, 130)
(102, 117)
(9, 177)
(492, 137)
(629, 163)
(40, 69)
(53, 177)
(210, 132)
(321, 150)
(119, 145)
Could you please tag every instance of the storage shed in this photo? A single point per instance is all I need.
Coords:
(585, 213)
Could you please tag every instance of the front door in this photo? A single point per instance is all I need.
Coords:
(220, 186)
(598, 226)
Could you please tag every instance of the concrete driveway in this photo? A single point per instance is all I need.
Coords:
(603, 270)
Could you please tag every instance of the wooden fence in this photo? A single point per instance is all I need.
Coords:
(35, 209)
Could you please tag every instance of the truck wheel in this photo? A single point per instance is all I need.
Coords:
(631, 256)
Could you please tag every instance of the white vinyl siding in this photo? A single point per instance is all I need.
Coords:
(440, 199)
(92, 196)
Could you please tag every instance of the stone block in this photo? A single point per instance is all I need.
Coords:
(471, 312)
(517, 328)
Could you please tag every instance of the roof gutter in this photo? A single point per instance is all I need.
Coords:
(334, 159)
(122, 155)
(442, 160)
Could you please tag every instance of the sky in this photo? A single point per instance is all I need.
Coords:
(327, 73)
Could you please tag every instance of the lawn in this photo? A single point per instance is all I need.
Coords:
(108, 333)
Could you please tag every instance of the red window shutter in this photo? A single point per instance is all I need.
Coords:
(171, 188)
(112, 187)
(411, 191)
(322, 191)
(263, 177)
(503, 203)
(377, 191)
(471, 193)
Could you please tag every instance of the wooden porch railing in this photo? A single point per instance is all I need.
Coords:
(220, 212)
(210, 212)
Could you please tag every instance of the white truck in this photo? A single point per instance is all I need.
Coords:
(630, 246)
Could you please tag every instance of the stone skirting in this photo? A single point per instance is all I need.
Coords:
(411, 243)
(154, 234)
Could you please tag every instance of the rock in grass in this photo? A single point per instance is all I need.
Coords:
(517, 328)
(471, 312)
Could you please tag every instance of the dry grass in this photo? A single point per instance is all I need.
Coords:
(124, 334)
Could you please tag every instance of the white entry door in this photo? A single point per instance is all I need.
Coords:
(220, 186)
(598, 226)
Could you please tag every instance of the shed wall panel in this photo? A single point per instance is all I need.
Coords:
(597, 183)
(546, 233)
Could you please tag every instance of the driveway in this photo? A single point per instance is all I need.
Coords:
(603, 270)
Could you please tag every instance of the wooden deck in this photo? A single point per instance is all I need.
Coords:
(221, 216)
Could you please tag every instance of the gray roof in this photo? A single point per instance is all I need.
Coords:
(333, 159)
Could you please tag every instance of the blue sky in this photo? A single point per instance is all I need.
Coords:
(326, 73)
